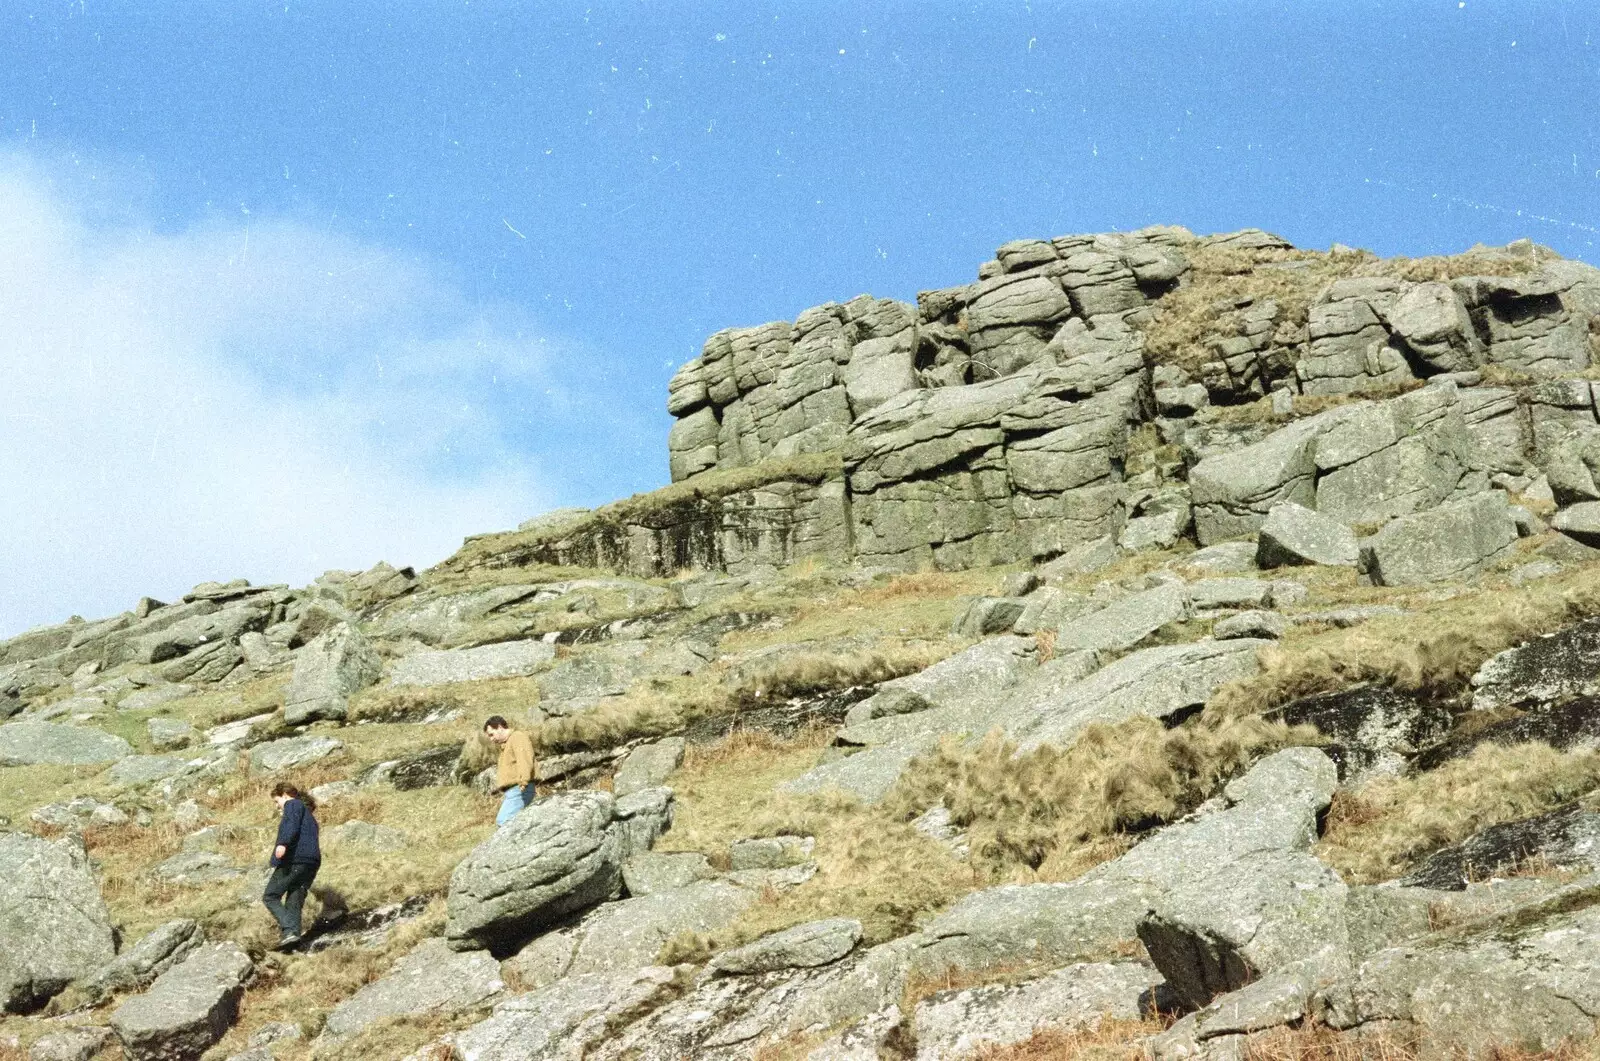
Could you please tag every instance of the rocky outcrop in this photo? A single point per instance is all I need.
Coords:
(1543, 670)
(432, 979)
(1371, 730)
(330, 668)
(159, 950)
(31, 743)
(188, 1008)
(507, 659)
(53, 922)
(1452, 541)
(1565, 838)
(562, 855)
(648, 766)
(952, 1025)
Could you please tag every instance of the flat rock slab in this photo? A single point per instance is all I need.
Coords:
(1373, 730)
(1564, 726)
(54, 926)
(1568, 838)
(73, 1044)
(432, 979)
(507, 659)
(1127, 622)
(188, 1008)
(138, 770)
(563, 1020)
(655, 871)
(629, 934)
(1566, 663)
(801, 947)
(290, 752)
(35, 743)
(954, 1025)
(648, 766)
(157, 951)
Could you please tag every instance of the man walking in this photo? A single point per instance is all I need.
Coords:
(513, 775)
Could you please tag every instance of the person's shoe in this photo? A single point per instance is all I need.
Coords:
(287, 943)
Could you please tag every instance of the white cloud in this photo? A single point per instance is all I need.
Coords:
(263, 400)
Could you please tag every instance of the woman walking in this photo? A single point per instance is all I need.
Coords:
(296, 857)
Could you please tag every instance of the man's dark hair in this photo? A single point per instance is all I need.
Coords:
(495, 722)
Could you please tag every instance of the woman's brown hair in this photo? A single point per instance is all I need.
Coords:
(290, 789)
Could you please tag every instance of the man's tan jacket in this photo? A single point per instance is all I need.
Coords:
(516, 762)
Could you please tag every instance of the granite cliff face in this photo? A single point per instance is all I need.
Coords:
(1147, 387)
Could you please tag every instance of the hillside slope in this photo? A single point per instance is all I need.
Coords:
(1165, 646)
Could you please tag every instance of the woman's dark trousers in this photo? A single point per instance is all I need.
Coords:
(286, 894)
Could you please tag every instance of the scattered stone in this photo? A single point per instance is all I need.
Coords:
(138, 770)
(334, 665)
(79, 811)
(432, 979)
(1353, 616)
(1223, 558)
(1580, 522)
(1160, 531)
(1454, 540)
(1081, 560)
(188, 1008)
(197, 867)
(801, 947)
(155, 696)
(53, 921)
(334, 790)
(651, 871)
(34, 743)
(1522, 574)
(988, 615)
(935, 824)
(770, 852)
(507, 659)
(629, 934)
(290, 752)
(428, 768)
(952, 1025)
(567, 1018)
(1127, 622)
(1020, 584)
(1251, 624)
(188, 815)
(561, 855)
(1294, 534)
(167, 733)
(365, 834)
(237, 732)
(79, 1043)
(1567, 725)
(156, 952)
(648, 765)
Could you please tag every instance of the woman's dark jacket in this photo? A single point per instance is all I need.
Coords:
(297, 835)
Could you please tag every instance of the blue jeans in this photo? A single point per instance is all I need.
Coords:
(286, 894)
(516, 797)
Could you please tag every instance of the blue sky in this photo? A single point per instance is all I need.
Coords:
(300, 285)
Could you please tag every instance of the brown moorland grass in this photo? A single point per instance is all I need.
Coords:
(870, 867)
(1434, 648)
(1060, 812)
(1375, 833)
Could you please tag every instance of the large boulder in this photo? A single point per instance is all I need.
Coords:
(1126, 622)
(508, 659)
(1268, 815)
(432, 979)
(33, 743)
(562, 855)
(159, 950)
(334, 665)
(54, 927)
(188, 1008)
(1294, 534)
(1455, 540)
(1233, 491)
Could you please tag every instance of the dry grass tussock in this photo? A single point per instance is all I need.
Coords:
(870, 867)
(1202, 307)
(916, 604)
(1375, 832)
(799, 674)
(1060, 812)
(1434, 648)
